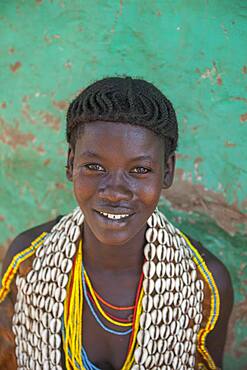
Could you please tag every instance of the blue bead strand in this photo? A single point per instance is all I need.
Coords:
(94, 313)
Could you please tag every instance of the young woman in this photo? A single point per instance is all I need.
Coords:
(114, 285)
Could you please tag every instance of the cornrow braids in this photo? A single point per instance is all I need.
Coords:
(125, 100)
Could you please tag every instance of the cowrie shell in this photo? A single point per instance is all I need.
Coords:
(168, 357)
(179, 269)
(193, 301)
(52, 288)
(170, 254)
(167, 315)
(143, 337)
(152, 347)
(66, 265)
(184, 360)
(176, 363)
(57, 309)
(140, 355)
(170, 270)
(160, 286)
(185, 264)
(46, 276)
(55, 341)
(179, 349)
(181, 335)
(177, 256)
(178, 299)
(70, 250)
(151, 235)
(200, 296)
(55, 356)
(171, 341)
(149, 269)
(186, 291)
(189, 334)
(161, 269)
(193, 349)
(161, 346)
(62, 280)
(163, 237)
(58, 259)
(170, 284)
(198, 318)
(145, 320)
(164, 331)
(60, 294)
(45, 319)
(192, 312)
(168, 298)
(161, 252)
(55, 326)
(156, 316)
(174, 328)
(186, 278)
(149, 251)
(152, 220)
(158, 359)
(184, 321)
(148, 286)
(158, 301)
(150, 361)
(32, 276)
(192, 361)
(178, 284)
(154, 332)
(49, 303)
(161, 220)
(74, 233)
(171, 228)
(147, 303)
(177, 313)
(199, 285)
(185, 306)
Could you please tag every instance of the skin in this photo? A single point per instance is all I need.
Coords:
(107, 176)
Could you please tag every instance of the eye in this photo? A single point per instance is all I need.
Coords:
(140, 170)
(94, 167)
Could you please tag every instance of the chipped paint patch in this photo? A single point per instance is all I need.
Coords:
(13, 137)
(189, 197)
(243, 117)
(14, 67)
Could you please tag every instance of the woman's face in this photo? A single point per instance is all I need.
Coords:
(118, 175)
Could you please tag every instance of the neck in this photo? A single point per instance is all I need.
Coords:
(100, 257)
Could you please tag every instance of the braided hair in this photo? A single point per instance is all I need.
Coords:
(125, 100)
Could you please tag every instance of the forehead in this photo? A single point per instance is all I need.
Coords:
(119, 139)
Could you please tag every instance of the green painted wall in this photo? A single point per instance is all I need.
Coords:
(195, 51)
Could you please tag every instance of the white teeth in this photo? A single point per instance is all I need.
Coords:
(114, 217)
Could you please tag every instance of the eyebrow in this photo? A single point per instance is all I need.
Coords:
(90, 154)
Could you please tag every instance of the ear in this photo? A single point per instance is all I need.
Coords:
(70, 162)
(169, 171)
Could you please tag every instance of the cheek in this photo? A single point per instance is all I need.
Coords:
(150, 193)
(84, 188)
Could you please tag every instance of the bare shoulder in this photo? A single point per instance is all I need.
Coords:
(219, 271)
(216, 339)
(23, 240)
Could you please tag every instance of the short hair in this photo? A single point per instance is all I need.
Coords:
(126, 100)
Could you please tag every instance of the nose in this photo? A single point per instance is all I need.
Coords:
(115, 189)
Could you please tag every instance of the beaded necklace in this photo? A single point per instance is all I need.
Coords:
(167, 317)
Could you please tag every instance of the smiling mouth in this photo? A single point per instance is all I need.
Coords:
(115, 217)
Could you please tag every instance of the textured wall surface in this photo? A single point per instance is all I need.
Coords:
(194, 51)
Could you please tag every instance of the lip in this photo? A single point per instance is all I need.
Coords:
(109, 221)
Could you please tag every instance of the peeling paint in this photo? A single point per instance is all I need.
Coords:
(14, 67)
(186, 196)
(243, 117)
(13, 137)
